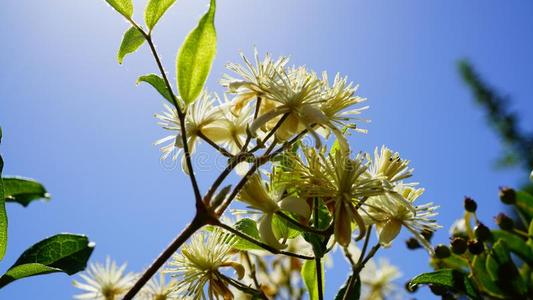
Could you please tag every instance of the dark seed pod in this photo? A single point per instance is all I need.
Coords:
(504, 222)
(412, 244)
(475, 247)
(507, 195)
(482, 232)
(459, 245)
(442, 251)
(470, 205)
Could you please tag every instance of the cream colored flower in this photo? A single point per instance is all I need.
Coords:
(255, 194)
(531, 176)
(339, 101)
(377, 280)
(199, 264)
(158, 288)
(390, 214)
(253, 79)
(104, 282)
(339, 181)
(389, 165)
(200, 118)
(458, 228)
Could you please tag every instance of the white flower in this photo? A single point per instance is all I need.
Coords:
(531, 176)
(377, 280)
(198, 265)
(339, 181)
(159, 289)
(104, 282)
(390, 213)
(389, 165)
(199, 119)
(258, 197)
(338, 98)
(254, 79)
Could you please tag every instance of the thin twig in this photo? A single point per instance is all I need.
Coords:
(214, 145)
(259, 243)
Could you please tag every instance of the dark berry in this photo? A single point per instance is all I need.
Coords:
(482, 232)
(507, 195)
(470, 205)
(412, 244)
(459, 245)
(475, 247)
(504, 222)
(442, 251)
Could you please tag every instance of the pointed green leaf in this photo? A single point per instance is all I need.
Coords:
(124, 7)
(158, 83)
(64, 252)
(515, 244)
(196, 56)
(486, 284)
(249, 227)
(132, 40)
(309, 277)
(351, 290)
(503, 271)
(155, 10)
(3, 213)
(448, 278)
(23, 190)
(524, 202)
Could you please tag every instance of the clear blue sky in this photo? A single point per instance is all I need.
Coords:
(74, 119)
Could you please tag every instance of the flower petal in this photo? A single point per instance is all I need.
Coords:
(267, 234)
(295, 205)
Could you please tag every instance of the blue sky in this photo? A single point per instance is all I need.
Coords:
(74, 119)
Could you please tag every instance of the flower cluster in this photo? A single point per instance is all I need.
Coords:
(265, 96)
(303, 199)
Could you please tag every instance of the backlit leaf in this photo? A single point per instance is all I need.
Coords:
(124, 7)
(155, 10)
(132, 40)
(196, 56)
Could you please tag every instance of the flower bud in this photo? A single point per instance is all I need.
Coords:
(412, 244)
(507, 195)
(482, 232)
(504, 222)
(458, 245)
(442, 251)
(470, 205)
(475, 247)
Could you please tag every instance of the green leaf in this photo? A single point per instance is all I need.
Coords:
(23, 190)
(503, 270)
(67, 253)
(481, 275)
(455, 262)
(196, 56)
(132, 40)
(524, 202)
(159, 84)
(308, 273)
(124, 7)
(249, 227)
(515, 244)
(451, 279)
(3, 213)
(283, 229)
(155, 10)
(351, 290)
